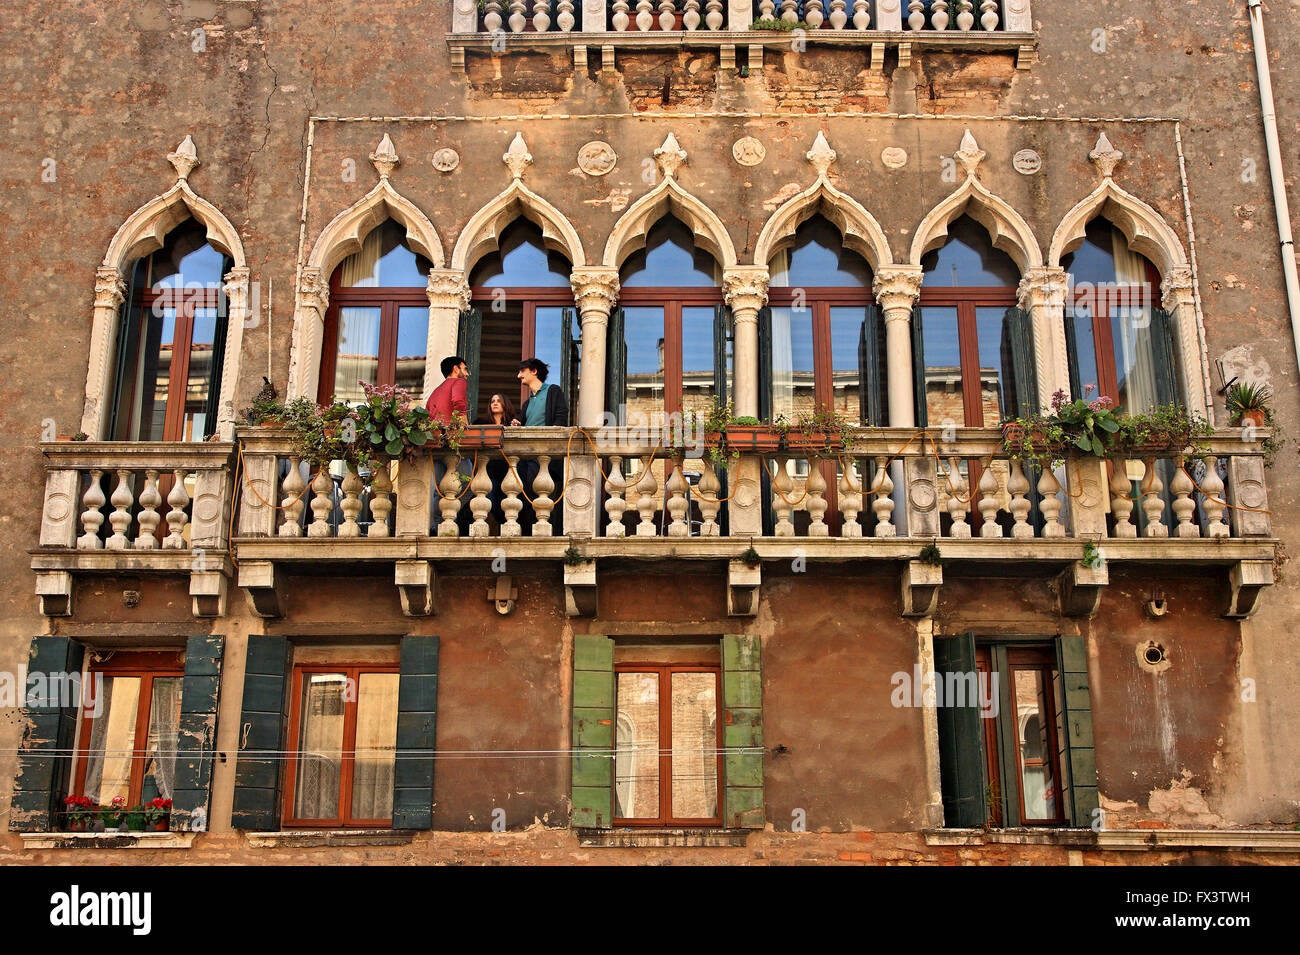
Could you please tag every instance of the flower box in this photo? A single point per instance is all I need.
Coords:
(767, 439)
(477, 437)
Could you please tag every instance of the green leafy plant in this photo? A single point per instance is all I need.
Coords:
(930, 555)
(574, 557)
(389, 424)
(751, 557)
(265, 408)
(777, 26)
(1244, 397)
(81, 436)
(1092, 558)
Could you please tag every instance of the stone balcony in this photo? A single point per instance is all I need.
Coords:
(607, 26)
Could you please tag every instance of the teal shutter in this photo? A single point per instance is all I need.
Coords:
(469, 334)
(261, 734)
(961, 737)
(197, 737)
(742, 731)
(1072, 353)
(593, 731)
(212, 406)
(765, 364)
(918, 368)
(1072, 654)
(568, 359)
(417, 707)
(615, 363)
(49, 731)
(1018, 358)
(1161, 342)
(721, 327)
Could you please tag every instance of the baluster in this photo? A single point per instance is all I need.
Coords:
(1184, 506)
(645, 18)
(620, 19)
(713, 17)
(511, 505)
(541, 15)
(708, 499)
(292, 503)
(939, 15)
(1212, 488)
(480, 504)
(816, 504)
(449, 495)
(861, 15)
(177, 500)
(812, 13)
(565, 17)
(838, 17)
(322, 503)
(91, 518)
(691, 18)
(667, 15)
(1018, 487)
(381, 501)
(1120, 506)
(850, 500)
(766, 9)
(121, 500)
(782, 488)
(1153, 505)
(615, 503)
(1050, 505)
(988, 503)
(965, 19)
(916, 15)
(492, 18)
(989, 18)
(883, 505)
(678, 508)
(518, 21)
(959, 502)
(645, 502)
(149, 518)
(351, 487)
(790, 11)
(543, 485)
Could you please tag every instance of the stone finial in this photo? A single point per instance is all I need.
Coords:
(385, 157)
(517, 157)
(969, 153)
(1105, 157)
(670, 157)
(821, 155)
(184, 158)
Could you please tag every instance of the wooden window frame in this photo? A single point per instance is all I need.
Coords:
(390, 300)
(1103, 338)
(344, 820)
(966, 301)
(482, 297)
(671, 300)
(665, 671)
(147, 666)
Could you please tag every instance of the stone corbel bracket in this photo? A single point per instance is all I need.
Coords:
(743, 585)
(920, 588)
(1081, 589)
(580, 598)
(208, 592)
(263, 587)
(54, 588)
(1247, 578)
(417, 586)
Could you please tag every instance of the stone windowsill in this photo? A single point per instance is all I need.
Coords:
(663, 838)
(1122, 839)
(107, 840)
(319, 838)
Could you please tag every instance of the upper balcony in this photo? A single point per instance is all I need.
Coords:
(503, 26)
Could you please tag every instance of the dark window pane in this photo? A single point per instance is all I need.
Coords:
(1084, 347)
(385, 261)
(412, 343)
(1037, 784)
(522, 261)
(850, 338)
(670, 260)
(945, 405)
(968, 259)
(818, 259)
(643, 331)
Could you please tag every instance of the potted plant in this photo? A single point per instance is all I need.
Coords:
(80, 810)
(114, 814)
(157, 814)
(460, 435)
(135, 819)
(823, 430)
(267, 410)
(1248, 404)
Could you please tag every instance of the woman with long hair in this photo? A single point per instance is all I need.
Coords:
(502, 412)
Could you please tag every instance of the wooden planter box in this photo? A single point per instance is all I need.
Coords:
(765, 439)
(477, 437)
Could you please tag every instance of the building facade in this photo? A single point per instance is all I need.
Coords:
(598, 642)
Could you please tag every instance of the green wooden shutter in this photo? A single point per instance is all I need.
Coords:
(127, 345)
(469, 334)
(197, 737)
(961, 738)
(593, 731)
(765, 364)
(918, 368)
(1161, 338)
(1018, 348)
(262, 734)
(212, 407)
(1072, 654)
(49, 730)
(567, 363)
(615, 363)
(742, 731)
(1072, 354)
(417, 706)
(871, 385)
(721, 327)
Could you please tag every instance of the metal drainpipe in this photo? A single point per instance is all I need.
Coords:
(1256, 12)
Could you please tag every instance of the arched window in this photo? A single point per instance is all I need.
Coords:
(972, 347)
(669, 350)
(1118, 342)
(377, 325)
(522, 308)
(171, 342)
(821, 336)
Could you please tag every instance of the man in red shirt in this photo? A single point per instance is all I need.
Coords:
(451, 394)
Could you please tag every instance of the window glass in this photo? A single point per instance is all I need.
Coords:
(521, 261)
(850, 339)
(1034, 745)
(670, 260)
(793, 371)
(385, 261)
(160, 752)
(944, 401)
(997, 367)
(186, 259)
(320, 746)
(694, 745)
(358, 350)
(818, 259)
(698, 359)
(376, 746)
(968, 259)
(636, 762)
(112, 740)
(643, 333)
(412, 344)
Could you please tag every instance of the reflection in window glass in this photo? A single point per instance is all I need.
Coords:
(793, 371)
(698, 359)
(636, 762)
(112, 740)
(694, 745)
(358, 350)
(385, 262)
(521, 261)
(412, 344)
(818, 259)
(376, 746)
(643, 332)
(968, 260)
(850, 340)
(164, 724)
(670, 259)
(997, 367)
(1035, 766)
(320, 746)
(944, 402)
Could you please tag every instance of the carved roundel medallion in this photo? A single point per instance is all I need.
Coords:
(1027, 162)
(597, 158)
(893, 157)
(748, 151)
(446, 159)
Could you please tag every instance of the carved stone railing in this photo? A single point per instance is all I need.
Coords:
(113, 506)
(500, 26)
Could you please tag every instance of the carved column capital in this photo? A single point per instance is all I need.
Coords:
(314, 291)
(745, 290)
(110, 288)
(448, 288)
(1177, 289)
(596, 292)
(896, 289)
(1043, 288)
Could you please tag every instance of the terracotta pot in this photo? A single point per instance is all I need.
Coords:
(477, 437)
(1255, 417)
(765, 439)
(77, 825)
(161, 825)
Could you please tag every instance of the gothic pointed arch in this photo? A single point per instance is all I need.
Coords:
(1145, 229)
(1006, 227)
(861, 232)
(347, 230)
(482, 234)
(630, 232)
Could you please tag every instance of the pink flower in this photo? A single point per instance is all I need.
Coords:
(1089, 389)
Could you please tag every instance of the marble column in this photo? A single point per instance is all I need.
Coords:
(745, 291)
(897, 289)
